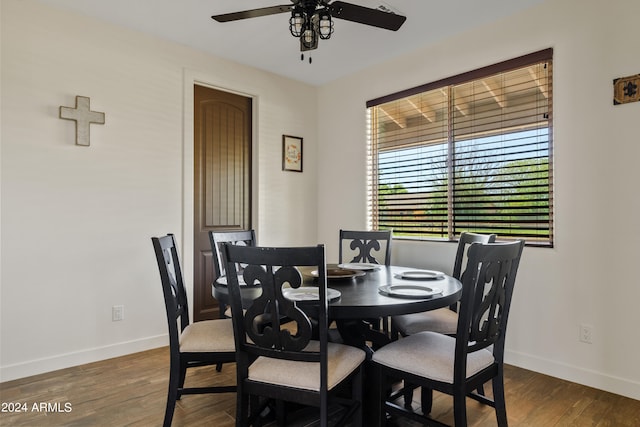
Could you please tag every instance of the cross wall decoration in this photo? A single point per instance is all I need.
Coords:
(83, 116)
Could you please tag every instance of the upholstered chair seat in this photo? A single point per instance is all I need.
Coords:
(442, 320)
(207, 336)
(430, 355)
(342, 360)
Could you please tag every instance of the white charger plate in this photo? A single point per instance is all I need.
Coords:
(309, 293)
(421, 275)
(364, 266)
(409, 291)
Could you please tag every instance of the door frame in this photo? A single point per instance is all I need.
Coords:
(191, 78)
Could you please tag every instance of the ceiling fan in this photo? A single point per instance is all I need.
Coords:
(312, 20)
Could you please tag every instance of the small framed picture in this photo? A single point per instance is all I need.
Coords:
(291, 153)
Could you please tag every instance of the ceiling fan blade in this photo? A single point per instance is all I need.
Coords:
(367, 16)
(253, 13)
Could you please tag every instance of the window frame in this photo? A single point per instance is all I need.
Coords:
(541, 57)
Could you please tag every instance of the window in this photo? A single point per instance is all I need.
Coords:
(468, 153)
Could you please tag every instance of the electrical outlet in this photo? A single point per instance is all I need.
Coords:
(117, 313)
(586, 334)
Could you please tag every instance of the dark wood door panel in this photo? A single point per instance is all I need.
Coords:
(222, 181)
(225, 176)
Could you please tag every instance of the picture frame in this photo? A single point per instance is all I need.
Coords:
(291, 153)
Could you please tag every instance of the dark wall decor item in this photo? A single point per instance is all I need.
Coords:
(83, 116)
(291, 153)
(626, 89)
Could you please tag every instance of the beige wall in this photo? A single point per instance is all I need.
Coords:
(77, 221)
(591, 274)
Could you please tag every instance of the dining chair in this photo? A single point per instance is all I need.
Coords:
(365, 246)
(284, 363)
(203, 343)
(443, 320)
(457, 365)
(217, 239)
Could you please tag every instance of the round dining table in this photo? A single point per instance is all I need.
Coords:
(365, 294)
(361, 297)
(360, 294)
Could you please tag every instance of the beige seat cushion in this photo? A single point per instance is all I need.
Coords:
(342, 360)
(442, 320)
(429, 355)
(209, 335)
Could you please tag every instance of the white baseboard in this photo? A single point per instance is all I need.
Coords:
(587, 377)
(48, 364)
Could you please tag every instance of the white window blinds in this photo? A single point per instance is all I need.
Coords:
(469, 153)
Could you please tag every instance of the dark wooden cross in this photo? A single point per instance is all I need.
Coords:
(83, 116)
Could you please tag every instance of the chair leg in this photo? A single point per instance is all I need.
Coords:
(380, 397)
(324, 414)
(183, 375)
(426, 400)
(407, 394)
(460, 408)
(172, 395)
(168, 412)
(222, 308)
(498, 398)
(357, 395)
(394, 334)
(281, 413)
(242, 409)
(254, 410)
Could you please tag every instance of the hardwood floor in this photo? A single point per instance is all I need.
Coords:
(131, 391)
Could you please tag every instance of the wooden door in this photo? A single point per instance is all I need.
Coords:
(222, 180)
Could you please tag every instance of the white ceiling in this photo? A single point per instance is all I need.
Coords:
(265, 42)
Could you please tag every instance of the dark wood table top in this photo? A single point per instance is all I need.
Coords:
(360, 297)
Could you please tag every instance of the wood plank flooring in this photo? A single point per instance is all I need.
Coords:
(131, 391)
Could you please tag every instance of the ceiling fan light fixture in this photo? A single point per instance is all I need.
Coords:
(309, 38)
(296, 22)
(325, 24)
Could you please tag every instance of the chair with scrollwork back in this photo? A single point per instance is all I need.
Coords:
(284, 363)
(457, 365)
(365, 246)
(217, 239)
(443, 320)
(209, 342)
(372, 247)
